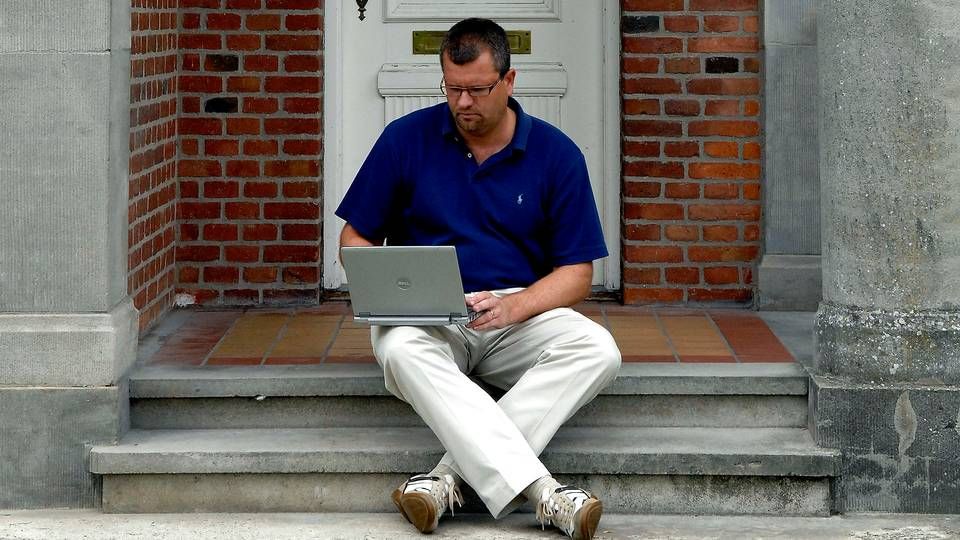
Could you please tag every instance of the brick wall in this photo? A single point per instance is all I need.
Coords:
(691, 150)
(250, 145)
(152, 167)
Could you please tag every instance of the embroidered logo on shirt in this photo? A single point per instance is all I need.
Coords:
(520, 199)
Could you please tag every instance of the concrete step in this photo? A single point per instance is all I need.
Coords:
(345, 395)
(639, 470)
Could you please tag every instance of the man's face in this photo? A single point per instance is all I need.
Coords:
(477, 116)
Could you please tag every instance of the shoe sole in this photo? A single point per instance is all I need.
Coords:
(418, 509)
(589, 520)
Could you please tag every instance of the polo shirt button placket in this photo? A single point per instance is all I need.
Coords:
(470, 155)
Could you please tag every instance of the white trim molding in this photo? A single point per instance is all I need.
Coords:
(455, 10)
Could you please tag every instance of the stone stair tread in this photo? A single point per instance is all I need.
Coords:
(367, 380)
(575, 450)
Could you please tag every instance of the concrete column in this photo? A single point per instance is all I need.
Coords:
(888, 329)
(68, 331)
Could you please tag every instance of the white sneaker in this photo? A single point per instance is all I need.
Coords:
(423, 499)
(573, 510)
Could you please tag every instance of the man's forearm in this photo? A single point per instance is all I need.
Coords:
(564, 286)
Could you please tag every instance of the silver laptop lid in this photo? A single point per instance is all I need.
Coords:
(405, 284)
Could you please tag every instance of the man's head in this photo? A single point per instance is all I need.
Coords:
(475, 59)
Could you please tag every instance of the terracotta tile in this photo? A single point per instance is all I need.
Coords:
(195, 338)
(648, 358)
(228, 361)
(589, 308)
(616, 309)
(330, 308)
(696, 338)
(251, 336)
(639, 336)
(273, 361)
(751, 339)
(351, 359)
(694, 359)
(306, 336)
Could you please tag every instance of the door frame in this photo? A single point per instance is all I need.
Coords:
(332, 135)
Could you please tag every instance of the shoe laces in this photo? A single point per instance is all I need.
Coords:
(443, 489)
(559, 507)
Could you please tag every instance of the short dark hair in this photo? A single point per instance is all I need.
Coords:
(464, 43)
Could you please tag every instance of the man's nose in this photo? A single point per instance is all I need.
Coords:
(464, 99)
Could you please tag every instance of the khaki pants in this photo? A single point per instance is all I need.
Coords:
(550, 366)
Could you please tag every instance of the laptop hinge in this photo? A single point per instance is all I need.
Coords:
(364, 314)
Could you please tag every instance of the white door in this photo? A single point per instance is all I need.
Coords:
(570, 78)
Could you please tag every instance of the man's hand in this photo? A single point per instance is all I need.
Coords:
(497, 312)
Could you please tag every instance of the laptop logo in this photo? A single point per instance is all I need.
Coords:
(404, 283)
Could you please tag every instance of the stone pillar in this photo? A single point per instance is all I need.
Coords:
(887, 368)
(68, 331)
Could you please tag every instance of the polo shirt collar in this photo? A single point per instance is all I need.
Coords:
(520, 133)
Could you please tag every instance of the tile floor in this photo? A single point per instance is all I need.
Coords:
(327, 334)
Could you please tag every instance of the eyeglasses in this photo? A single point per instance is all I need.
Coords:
(473, 91)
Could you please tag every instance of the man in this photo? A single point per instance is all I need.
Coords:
(512, 194)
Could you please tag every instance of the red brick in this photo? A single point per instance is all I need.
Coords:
(189, 232)
(722, 107)
(653, 128)
(681, 149)
(291, 210)
(220, 190)
(721, 275)
(653, 5)
(197, 253)
(634, 295)
(188, 274)
(641, 276)
(266, 190)
(244, 4)
(291, 253)
(261, 62)
(682, 233)
(301, 190)
(301, 274)
(650, 85)
(260, 21)
(189, 189)
(727, 86)
(206, 4)
(304, 22)
(221, 147)
(260, 231)
(289, 126)
(243, 42)
(299, 42)
(641, 106)
(751, 65)
(720, 233)
(751, 192)
(219, 232)
(223, 21)
(652, 45)
(260, 274)
(302, 105)
(243, 168)
(198, 210)
(681, 23)
(243, 126)
(259, 105)
(682, 65)
(721, 23)
(684, 107)
(198, 168)
(242, 210)
(751, 232)
(642, 232)
(654, 211)
(641, 148)
(199, 126)
(723, 5)
(683, 190)
(260, 148)
(198, 41)
(641, 189)
(714, 212)
(242, 253)
(302, 147)
(199, 83)
(300, 231)
(723, 44)
(289, 168)
(713, 295)
(243, 84)
(298, 63)
(654, 169)
(653, 254)
(722, 254)
(293, 4)
(739, 171)
(720, 149)
(727, 128)
(632, 64)
(682, 275)
(190, 104)
(190, 21)
(721, 191)
(751, 108)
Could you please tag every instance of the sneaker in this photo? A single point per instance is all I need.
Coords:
(423, 499)
(573, 510)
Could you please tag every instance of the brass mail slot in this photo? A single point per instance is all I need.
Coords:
(428, 41)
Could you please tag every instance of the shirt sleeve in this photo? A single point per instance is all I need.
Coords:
(368, 205)
(577, 236)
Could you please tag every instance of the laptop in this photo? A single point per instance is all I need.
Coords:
(405, 285)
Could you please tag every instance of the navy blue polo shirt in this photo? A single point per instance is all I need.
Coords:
(525, 210)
